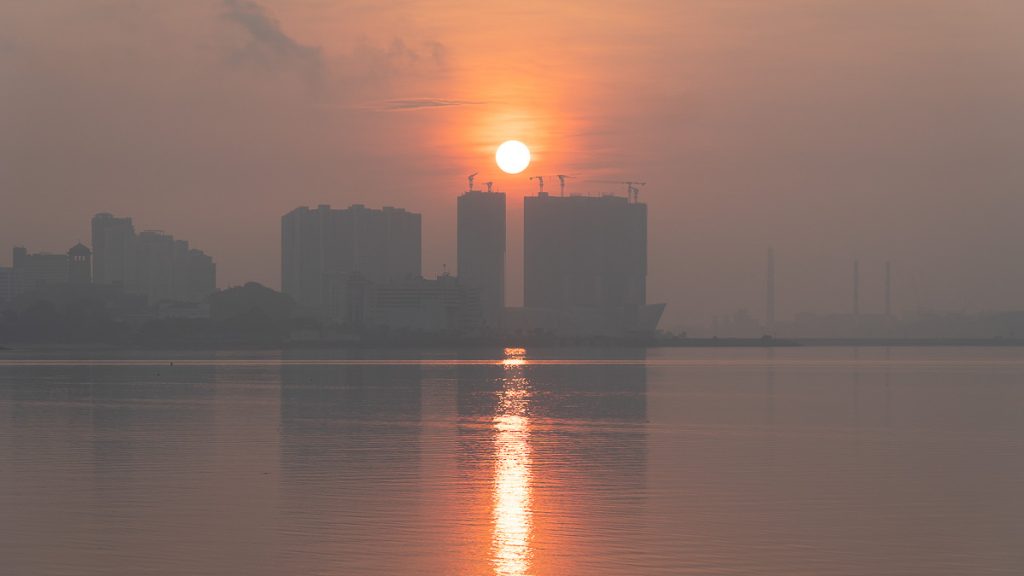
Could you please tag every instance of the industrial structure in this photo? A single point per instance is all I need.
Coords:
(769, 295)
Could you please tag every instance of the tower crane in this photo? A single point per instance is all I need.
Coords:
(561, 182)
(470, 178)
(632, 187)
(540, 181)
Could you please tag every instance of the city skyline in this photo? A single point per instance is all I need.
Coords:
(879, 289)
(893, 139)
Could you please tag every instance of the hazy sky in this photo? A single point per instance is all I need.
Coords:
(829, 129)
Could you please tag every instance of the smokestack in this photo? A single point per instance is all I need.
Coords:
(769, 292)
(856, 288)
(888, 290)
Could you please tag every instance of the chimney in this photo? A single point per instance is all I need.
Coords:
(888, 290)
(856, 288)
(770, 291)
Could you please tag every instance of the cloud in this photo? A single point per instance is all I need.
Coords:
(421, 103)
(268, 42)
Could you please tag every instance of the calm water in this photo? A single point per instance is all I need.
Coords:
(792, 462)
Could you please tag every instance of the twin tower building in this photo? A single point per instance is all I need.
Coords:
(585, 267)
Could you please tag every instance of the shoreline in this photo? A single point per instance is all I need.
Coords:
(548, 343)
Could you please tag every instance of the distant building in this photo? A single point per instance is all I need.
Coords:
(481, 250)
(154, 258)
(32, 271)
(441, 305)
(584, 251)
(322, 247)
(80, 264)
(113, 250)
(6, 285)
(150, 263)
(202, 276)
(411, 305)
(586, 258)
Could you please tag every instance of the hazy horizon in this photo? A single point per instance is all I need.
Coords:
(828, 131)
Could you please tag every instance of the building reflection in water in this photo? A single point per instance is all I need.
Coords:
(512, 476)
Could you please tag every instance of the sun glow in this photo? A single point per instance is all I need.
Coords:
(512, 156)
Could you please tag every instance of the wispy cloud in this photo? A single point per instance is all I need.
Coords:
(423, 103)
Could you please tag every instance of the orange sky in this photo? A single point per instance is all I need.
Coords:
(830, 130)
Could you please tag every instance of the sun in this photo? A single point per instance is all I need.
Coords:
(513, 157)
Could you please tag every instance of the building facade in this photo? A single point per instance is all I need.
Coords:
(584, 251)
(421, 305)
(112, 250)
(585, 262)
(80, 264)
(6, 286)
(202, 276)
(151, 263)
(481, 250)
(32, 271)
(322, 247)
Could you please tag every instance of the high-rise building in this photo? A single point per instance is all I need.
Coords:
(321, 248)
(6, 285)
(202, 276)
(80, 264)
(151, 263)
(154, 265)
(33, 271)
(584, 252)
(112, 250)
(481, 250)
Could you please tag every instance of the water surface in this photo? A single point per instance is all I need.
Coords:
(810, 461)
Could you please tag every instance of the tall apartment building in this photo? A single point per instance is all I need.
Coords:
(322, 247)
(6, 285)
(481, 250)
(584, 252)
(151, 263)
(31, 271)
(112, 250)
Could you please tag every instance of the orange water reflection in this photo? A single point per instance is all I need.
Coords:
(512, 512)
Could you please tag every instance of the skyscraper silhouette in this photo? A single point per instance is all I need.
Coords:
(112, 240)
(481, 250)
(586, 256)
(322, 247)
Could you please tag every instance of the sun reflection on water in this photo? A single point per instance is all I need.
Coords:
(512, 477)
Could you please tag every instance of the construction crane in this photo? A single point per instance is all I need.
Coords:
(561, 182)
(471, 176)
(540, 181)
(632, 187)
